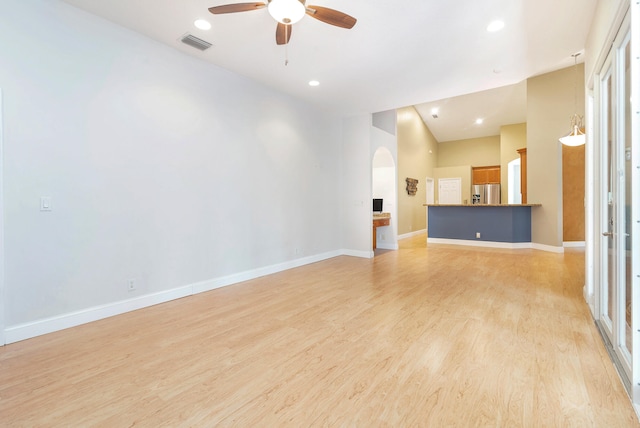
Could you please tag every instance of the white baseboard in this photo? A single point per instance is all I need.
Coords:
(412, 234)
(487, 244)
(354, 253)
(589, 299)
(547, 248)
(72, 319)
(573, 244)
(49, 325)
(212, 284)
(494, 244)
(387, 246)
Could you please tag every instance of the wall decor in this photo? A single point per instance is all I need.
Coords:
(412, 186)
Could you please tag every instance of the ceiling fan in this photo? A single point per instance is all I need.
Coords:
(287, 13)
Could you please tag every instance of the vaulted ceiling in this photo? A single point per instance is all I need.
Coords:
(399, 53)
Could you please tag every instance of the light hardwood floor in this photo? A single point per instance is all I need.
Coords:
(434, 337)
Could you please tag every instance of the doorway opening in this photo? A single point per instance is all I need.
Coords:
(384, 187)
(513, 173)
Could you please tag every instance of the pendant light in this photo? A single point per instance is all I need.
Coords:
(576, 136)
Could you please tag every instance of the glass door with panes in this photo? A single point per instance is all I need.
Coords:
(615, 261)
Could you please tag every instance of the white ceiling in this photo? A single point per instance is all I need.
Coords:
(400, 53)
(457, 115)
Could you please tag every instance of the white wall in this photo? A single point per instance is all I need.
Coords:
(551, 100)
(162, 168)
(360, 140)
(385, 120)
(356, 191)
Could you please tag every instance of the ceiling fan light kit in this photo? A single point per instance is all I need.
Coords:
(286, 11)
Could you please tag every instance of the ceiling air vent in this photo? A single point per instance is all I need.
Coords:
(195, 42)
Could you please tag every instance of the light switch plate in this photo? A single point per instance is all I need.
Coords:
(45, 203)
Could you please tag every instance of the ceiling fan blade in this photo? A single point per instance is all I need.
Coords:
(331, 16)
(283, 33)
(236, 7)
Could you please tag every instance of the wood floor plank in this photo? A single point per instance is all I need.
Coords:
(425, 336)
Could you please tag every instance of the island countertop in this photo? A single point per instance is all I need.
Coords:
(381, 215)
(482, 205)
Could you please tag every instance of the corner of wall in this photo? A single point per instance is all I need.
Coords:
(417, 157)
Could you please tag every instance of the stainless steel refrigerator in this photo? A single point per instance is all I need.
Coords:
(485, 194)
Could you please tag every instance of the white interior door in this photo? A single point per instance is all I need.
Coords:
(430, 189)
(450, 191)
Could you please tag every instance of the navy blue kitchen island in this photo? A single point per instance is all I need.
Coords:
(508, 224)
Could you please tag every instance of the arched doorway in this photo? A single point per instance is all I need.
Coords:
(384, 187)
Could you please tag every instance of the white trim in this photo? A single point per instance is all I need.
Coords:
(361, 254)
(488, 244)
(387, 246)
(72, 319)
(601, 57)
(212, 284)
(2, 285)
(494, 244)
(586, 296)
(548, 248)
(635, 202)
(591, 217)
(573, 244)
(412, 234)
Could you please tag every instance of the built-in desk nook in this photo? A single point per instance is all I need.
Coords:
(508, 224)
(379, 220)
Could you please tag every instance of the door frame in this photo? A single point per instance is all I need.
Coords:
(429, 198)
(607, 130)
(635, 199)
(628, 365)
(2, 252)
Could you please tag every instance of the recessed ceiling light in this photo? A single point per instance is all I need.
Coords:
(494, 26)
(435, 110)
(479, 121)
(202, 24)
(313, 83)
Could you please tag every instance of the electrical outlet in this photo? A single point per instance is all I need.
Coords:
(131, 284)
(478, 235)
